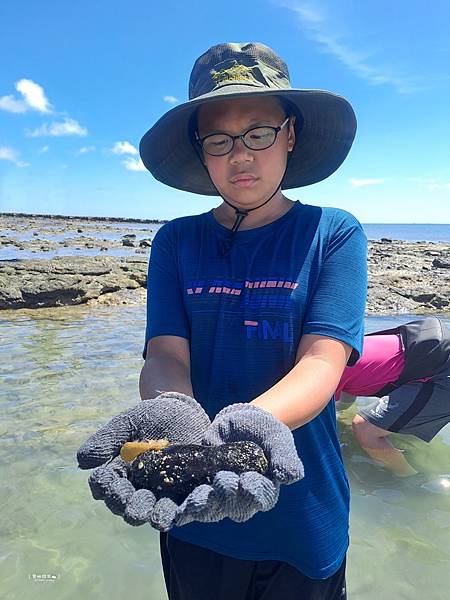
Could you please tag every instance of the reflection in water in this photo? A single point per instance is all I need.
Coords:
(66, 371)
(441, 485)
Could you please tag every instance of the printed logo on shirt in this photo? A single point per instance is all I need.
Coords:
(269, 330)
(226, 287)
(248, 298)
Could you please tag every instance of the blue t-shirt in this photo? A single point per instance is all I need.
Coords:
(244, 313)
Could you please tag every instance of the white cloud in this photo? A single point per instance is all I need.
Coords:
(132, 164)
(7, 153)
(170, 99)
(33, 97)
(85, 150)
(11, 104)
(319, 28)
(43, 150)
(438, 186)
(364, 182)
(57, 129)
(123, 148)
(429, 183)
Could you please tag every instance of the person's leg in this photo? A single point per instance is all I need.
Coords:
(273, 580)
(195, 573)
(373, 440)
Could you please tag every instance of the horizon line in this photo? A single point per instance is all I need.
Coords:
(148, 220)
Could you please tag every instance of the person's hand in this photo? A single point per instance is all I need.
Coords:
(241, 496)
(111, 484)
(172, 416)
(176, 417)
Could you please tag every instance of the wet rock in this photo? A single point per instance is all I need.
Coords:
(67, 280)
(145, 243)
(403, 279)
(441, 264)
(127, 242)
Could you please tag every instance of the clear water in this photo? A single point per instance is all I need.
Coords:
(13, 253)
(63, 373)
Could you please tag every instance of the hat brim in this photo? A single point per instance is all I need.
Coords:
(326, 136)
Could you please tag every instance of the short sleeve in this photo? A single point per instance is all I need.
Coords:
(337, 305)
(166, 313)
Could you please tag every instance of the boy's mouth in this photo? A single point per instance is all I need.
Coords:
(244, 180)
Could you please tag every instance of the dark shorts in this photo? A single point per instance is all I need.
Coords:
(196, 573)
(417, 408)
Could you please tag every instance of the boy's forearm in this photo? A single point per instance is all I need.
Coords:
(164, 374)
(301, 394)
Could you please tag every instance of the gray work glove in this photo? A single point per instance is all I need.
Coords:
(171, 415)
(241, 496)
(176, 417)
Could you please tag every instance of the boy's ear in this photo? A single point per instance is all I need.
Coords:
(291, 134)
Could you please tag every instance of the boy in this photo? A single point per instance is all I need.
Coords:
(408, 368)
(254, 309)
(251, 302)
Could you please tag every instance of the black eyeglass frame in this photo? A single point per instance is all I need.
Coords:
(241, 136)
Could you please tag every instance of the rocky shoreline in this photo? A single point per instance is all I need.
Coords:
(404, 277)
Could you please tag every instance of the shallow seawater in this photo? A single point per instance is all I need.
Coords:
(64, 372)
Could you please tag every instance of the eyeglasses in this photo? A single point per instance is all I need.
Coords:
(256, 138)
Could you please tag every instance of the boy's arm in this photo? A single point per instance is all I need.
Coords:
(167, 367)
(302, 394)
(332, 326)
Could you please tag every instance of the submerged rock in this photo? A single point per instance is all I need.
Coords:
(175, 471)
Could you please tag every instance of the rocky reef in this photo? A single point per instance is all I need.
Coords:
(404, 277)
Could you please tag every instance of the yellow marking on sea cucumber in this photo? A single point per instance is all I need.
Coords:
(130, 450)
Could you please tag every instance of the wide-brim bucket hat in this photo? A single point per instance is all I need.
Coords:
(325, 124)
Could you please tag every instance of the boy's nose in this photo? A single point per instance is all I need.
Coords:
(240, 152)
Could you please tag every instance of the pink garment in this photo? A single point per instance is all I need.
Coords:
(381, 362)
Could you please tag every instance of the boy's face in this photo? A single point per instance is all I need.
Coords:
(246, 177)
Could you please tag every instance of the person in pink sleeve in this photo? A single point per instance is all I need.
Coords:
(408, 369)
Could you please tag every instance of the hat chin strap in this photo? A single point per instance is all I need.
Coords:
(241, 214)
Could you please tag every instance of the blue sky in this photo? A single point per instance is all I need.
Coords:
(81, 82)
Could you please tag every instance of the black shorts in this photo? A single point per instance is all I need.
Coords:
(196, 573)
(417, 408)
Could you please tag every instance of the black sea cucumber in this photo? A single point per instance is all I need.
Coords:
(175, 471)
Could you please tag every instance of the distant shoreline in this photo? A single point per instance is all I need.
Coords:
(161, 221)
(83, 218)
